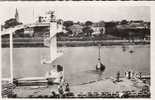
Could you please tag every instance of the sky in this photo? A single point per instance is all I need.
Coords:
(28, 12)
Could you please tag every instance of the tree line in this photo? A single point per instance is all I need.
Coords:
(110, 28)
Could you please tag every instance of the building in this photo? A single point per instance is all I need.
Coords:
(134, 29)
(17, 15)
(28, 31)
(34, 30)
(98, 28)
(76, 29)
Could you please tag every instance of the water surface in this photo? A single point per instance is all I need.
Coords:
(79, 62)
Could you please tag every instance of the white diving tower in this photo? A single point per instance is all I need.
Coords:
(55, 27)
(52, 43)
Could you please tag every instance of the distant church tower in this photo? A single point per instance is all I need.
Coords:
(16, 15)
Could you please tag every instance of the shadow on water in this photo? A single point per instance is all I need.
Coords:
(98, 73)
(86, 77)
(94, 71)
(98, 77)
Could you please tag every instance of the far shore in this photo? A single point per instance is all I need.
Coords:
(40, 43)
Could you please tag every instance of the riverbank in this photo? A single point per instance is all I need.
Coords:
(101, 42)
(40, 43)
(105, 88)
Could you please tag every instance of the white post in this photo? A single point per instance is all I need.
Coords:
(53, 42)
(1, 62)
(11, 57)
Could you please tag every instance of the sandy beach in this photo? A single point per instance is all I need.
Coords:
(105, 85)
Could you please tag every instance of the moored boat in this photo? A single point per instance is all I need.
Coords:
(100, 66)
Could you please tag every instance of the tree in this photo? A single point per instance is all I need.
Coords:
(68, 23)
(88, 23)
(11, 23)
(124, 22)
(59, 21)
(88, 31)
(101, 31)
(111, 28)
(101, 23)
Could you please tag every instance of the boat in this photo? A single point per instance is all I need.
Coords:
(99, 66)
(123, 48)
(131, 49)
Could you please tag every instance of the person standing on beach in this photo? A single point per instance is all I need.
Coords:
(60, 91)
(67, 89)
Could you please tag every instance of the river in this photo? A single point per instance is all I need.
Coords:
(79, 62)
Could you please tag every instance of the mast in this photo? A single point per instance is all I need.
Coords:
(99, 54)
